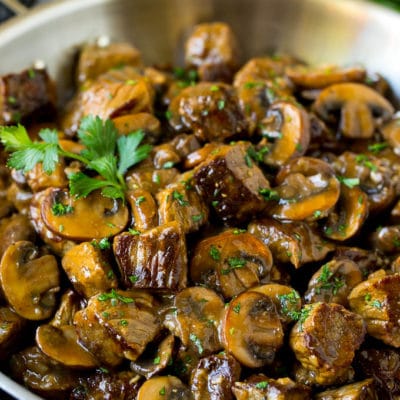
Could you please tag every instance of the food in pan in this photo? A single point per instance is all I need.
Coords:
(213, 231)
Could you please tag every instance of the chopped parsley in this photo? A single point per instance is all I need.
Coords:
(362, 159)
(221, 104)
(378, 147)
(102, 244)
(113, 295)
(234, 263)
(236, 308)
(133, 278)
(349, 182)
(196, 341)
(59, 209)
(327, 283)
(288, 301)
(140, 200)
(134, 232)
(168, 165)
(238, 231)
(269, 194)
(262, 385)
(162, 391)
(214, 88)
(179, 198)
(215, 254)
(197, 217)
(157, 360)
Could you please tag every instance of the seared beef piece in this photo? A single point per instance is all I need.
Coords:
(112, 94)
(97, 339)
(185, 144)
(213, 49)
(325, 339)
(210, 111)
(377, 301)
(383, 365)
(27, 96)
(37, 179)
(214, 376)
(364, 390)
(88, 270)
(101, 385)
(11, 331)
(180, 203)
(259, 387)
(42, 374)
(294, 242)
(230, 182)
(95, 59)
(155, 259)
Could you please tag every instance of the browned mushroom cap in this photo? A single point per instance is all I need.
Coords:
(143, 208)
(231, 262)
(61, 344)
(350, 213)
(325, 339)
(164, 387)
(261, 387)
(291, 242)
(319, 77)
(386, 239)
(151, 364)
(70, 303)
(213, 49)
(333, 282)
(42, 374)
(287, 131)
(362, 109)
(195, 318)
(286, 299)
(214, 376)
(88, 270)
(198, 156)
(391, 133)
(103, 216)
(306, 185)
(251, 329)
(165, 156)
(354, 391)
(376, 300)
(29, 281)
(11, 331)
(210, 111)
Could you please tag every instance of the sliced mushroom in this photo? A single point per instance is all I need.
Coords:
(196, 157)
(354, 391)
(321, 76)
(350, 213)
(61, 344)
(143, 208)
(88, 270)
(103, 216)
(287, 132)
(386, 239)
(70, 303)
(251, 329)
(231, 262)
(29, 281)
(333, 282)
(165, 156)
(294, 242)
(306, 185)
(214, 376)
(164, 387)
(11, 331)
(391, 133)
(195, 318)
(362, 108)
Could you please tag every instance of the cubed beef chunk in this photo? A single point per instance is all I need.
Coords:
(363, 390)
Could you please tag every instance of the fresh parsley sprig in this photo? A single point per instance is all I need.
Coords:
(106, 153)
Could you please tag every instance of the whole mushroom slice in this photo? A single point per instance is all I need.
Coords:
(164, 387)
(214, 376)
(11, 331)
(195, 318)
(286, 128)
(386, 239)
(354, 391)
(321, 76)
(391, 133)
(29, 281)
(231, 262)
(349, 214)
(361, 108)
(70, 303)
(61, 344)
(333, 282)
(251, 329)
(103, 216)
(307, 189)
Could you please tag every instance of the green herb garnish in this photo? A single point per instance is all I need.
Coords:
(59, 209)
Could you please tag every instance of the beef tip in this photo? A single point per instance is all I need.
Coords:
(27, 96)
(11, 331)
(231, 183)
(325, 339)
(214, 376)
(180, 203)
(38, 179)
(231, 262)
(165, 156)
(363, 390)
(153, 259)
(88, 270)
(42, 374)
(210, 111)
(376, 300)
(106, 385)
(95, 59)
(261, 387)
(184, 144)
(213, 49)
(14, 229)
(112, 94)
(383, 365)
(294, 242)
(144, 209)
(97, 339)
